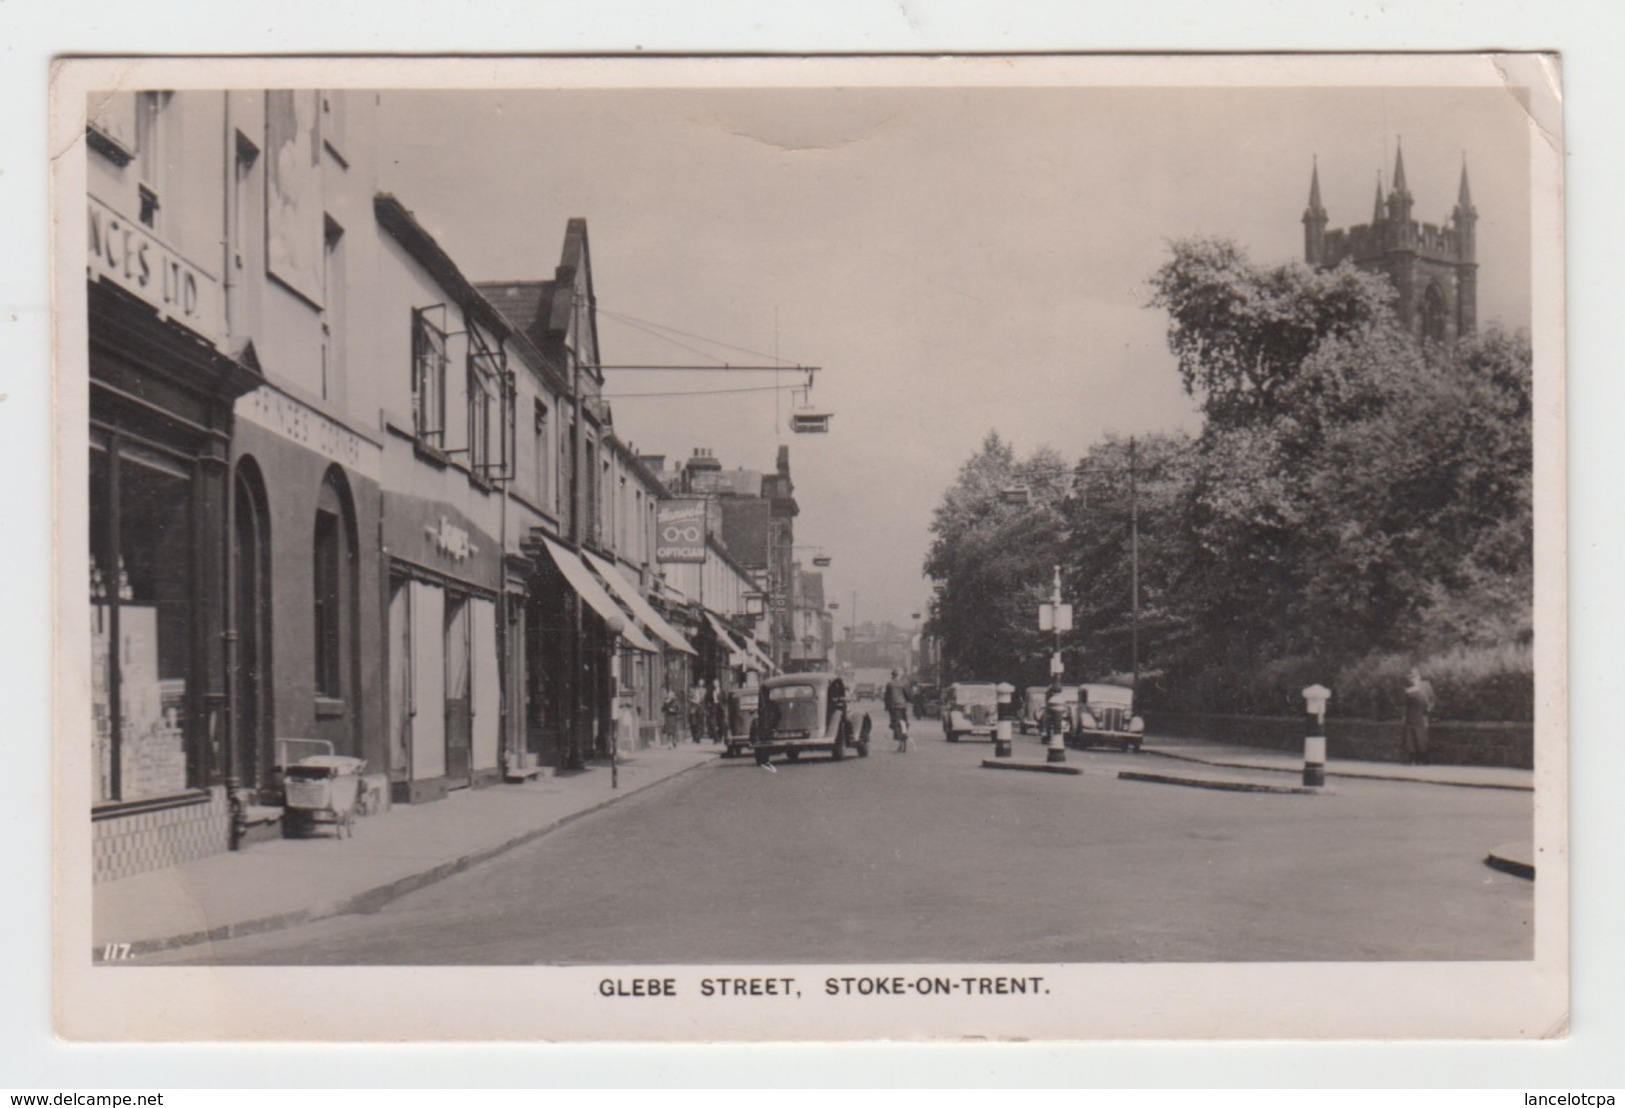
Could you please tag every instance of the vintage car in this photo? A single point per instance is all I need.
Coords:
(1106, 717)
(970, 708)
(794, 715)
(1033, 698)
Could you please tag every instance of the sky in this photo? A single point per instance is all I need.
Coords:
(956, 260)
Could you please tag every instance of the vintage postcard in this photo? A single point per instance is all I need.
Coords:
(811, 549)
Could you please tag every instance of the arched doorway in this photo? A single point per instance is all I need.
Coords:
(251, 598)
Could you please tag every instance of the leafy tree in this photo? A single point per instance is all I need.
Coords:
(1116, 483)
(992, 559)
(1240, 331)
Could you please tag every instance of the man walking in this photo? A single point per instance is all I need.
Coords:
(1418, 710)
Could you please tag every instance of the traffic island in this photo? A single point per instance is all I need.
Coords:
(1033, 767)
(1222, 786)
(1512, 858)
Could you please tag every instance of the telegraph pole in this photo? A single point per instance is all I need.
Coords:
(1134, 563)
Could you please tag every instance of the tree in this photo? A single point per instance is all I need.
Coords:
(1112, 491)
(992, 559)
(1240, 332)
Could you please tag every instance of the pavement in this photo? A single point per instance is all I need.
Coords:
(287, 882)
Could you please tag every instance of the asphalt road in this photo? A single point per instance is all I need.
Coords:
(926, 857)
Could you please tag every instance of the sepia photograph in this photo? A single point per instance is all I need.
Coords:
(1026, 548)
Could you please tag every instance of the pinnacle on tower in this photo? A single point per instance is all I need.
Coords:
(1377, 214)
(1314, 222)
(1464, 196)
(1399, 171)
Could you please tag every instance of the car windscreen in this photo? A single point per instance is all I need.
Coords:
(976, 694)
(793, 708)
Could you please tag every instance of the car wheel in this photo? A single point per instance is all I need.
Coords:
(863, 750)
(792, 754)
(839, 750)
(762, 757)
(953, 736)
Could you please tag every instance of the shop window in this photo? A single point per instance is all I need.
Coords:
(333, 591)
(328, 670)
(141, 598)
(428, 381)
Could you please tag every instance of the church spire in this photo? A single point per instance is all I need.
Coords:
(1377, 214)
(1314, 222)
(1465, 218)
(1399, 197)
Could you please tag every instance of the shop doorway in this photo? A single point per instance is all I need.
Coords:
(251, 547)
(459, 694)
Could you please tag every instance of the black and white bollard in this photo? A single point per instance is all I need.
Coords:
(1057, 742)
(1314, 743)
(1001, 739)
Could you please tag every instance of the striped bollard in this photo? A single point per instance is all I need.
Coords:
(1057, 739)
(1314, 743)
(1001, 740)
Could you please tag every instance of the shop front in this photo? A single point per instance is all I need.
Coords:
(304, 609)
(444, 713)
(161, 399)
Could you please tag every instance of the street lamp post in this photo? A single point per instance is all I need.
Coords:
(1055, 617)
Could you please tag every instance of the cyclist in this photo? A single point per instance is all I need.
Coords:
(895, 699)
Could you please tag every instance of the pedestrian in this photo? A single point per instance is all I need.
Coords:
(837, 699)
(669, 710)
(895, 699)
(713, 711)
(696, 712)
(1418, 710)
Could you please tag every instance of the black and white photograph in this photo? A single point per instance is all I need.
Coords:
(1039, 548)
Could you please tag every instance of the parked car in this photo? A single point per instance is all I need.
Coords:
(1106, 718)
(970, 708)
(866, 691)
(928, 704)
(794, 715)
(1030, 716)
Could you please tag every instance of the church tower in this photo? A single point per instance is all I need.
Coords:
(1433, 268)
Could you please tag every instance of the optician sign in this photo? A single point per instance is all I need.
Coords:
(680, 531)
(124, 252)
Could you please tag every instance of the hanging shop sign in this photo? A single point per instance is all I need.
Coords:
(680, 530)
(121, 250)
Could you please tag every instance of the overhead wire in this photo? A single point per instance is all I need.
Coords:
(643, 324)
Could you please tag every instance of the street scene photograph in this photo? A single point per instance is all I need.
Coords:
(849, 533)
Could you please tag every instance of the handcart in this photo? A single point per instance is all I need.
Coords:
(320, 787)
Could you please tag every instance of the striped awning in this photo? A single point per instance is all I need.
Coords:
(629, 595)
(587, 587)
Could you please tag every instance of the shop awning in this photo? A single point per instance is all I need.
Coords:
(587, 586)
(760, 653)
(641, 608)
(737, 644)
